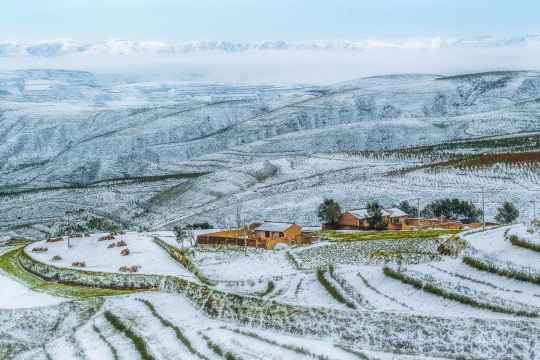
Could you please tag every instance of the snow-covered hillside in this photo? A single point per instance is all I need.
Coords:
(152, 153)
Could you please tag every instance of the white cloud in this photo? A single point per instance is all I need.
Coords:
(294, 66)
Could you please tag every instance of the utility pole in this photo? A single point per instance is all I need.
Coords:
(240, 226)
(418, 208)
(483, 211)
(534, 210)
(245, 236)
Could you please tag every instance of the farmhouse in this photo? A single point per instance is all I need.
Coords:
(264, 235)
(397, 219)
(394, 218)
(273, 233)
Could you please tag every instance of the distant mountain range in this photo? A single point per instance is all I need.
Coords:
(62, 47)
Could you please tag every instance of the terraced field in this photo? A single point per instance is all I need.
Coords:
(262, 306)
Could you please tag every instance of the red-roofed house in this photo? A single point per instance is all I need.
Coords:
(395, 219)
(265, 235)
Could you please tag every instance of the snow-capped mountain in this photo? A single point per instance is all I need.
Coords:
(60, 47)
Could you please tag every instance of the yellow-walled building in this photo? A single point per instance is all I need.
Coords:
(260, 235)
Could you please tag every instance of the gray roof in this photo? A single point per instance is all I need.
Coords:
(395, 212)
(362, 214)
(273, 226)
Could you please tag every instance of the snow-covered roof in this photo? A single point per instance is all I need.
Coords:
(395, 212)
(273, 226)
(362, 214)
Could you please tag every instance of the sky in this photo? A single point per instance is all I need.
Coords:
(254, 20)
(290, 20)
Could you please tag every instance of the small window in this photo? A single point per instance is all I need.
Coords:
(267, 233)
(281, 234)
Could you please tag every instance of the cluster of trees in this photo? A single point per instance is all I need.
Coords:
(455, 209)
(507, 214)
(461, 210)
(330, 211)
(375, 219)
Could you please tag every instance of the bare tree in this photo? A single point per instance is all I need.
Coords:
(241, 226)
(190, 235)
(69, 233)
(180, 231)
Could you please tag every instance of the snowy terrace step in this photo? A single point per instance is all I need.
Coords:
(492, 251)
(67, 347)
(94, 342)
(35, 354)
(528, 238)
(358, 328)
(116, 342)
(494, 264)
(508, 288)
(160, 340)
(374, 294)
(32, 328)
(305, 289)
(250, 344)
(356, 297)
(495, 243)
(391, 295)
(455, 289)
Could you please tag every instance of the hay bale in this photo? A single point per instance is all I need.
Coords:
(40, 249)
(56, 258)
(129, 269)
(125, 252)
(80, 264)
(121, 243)
(106, 237)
